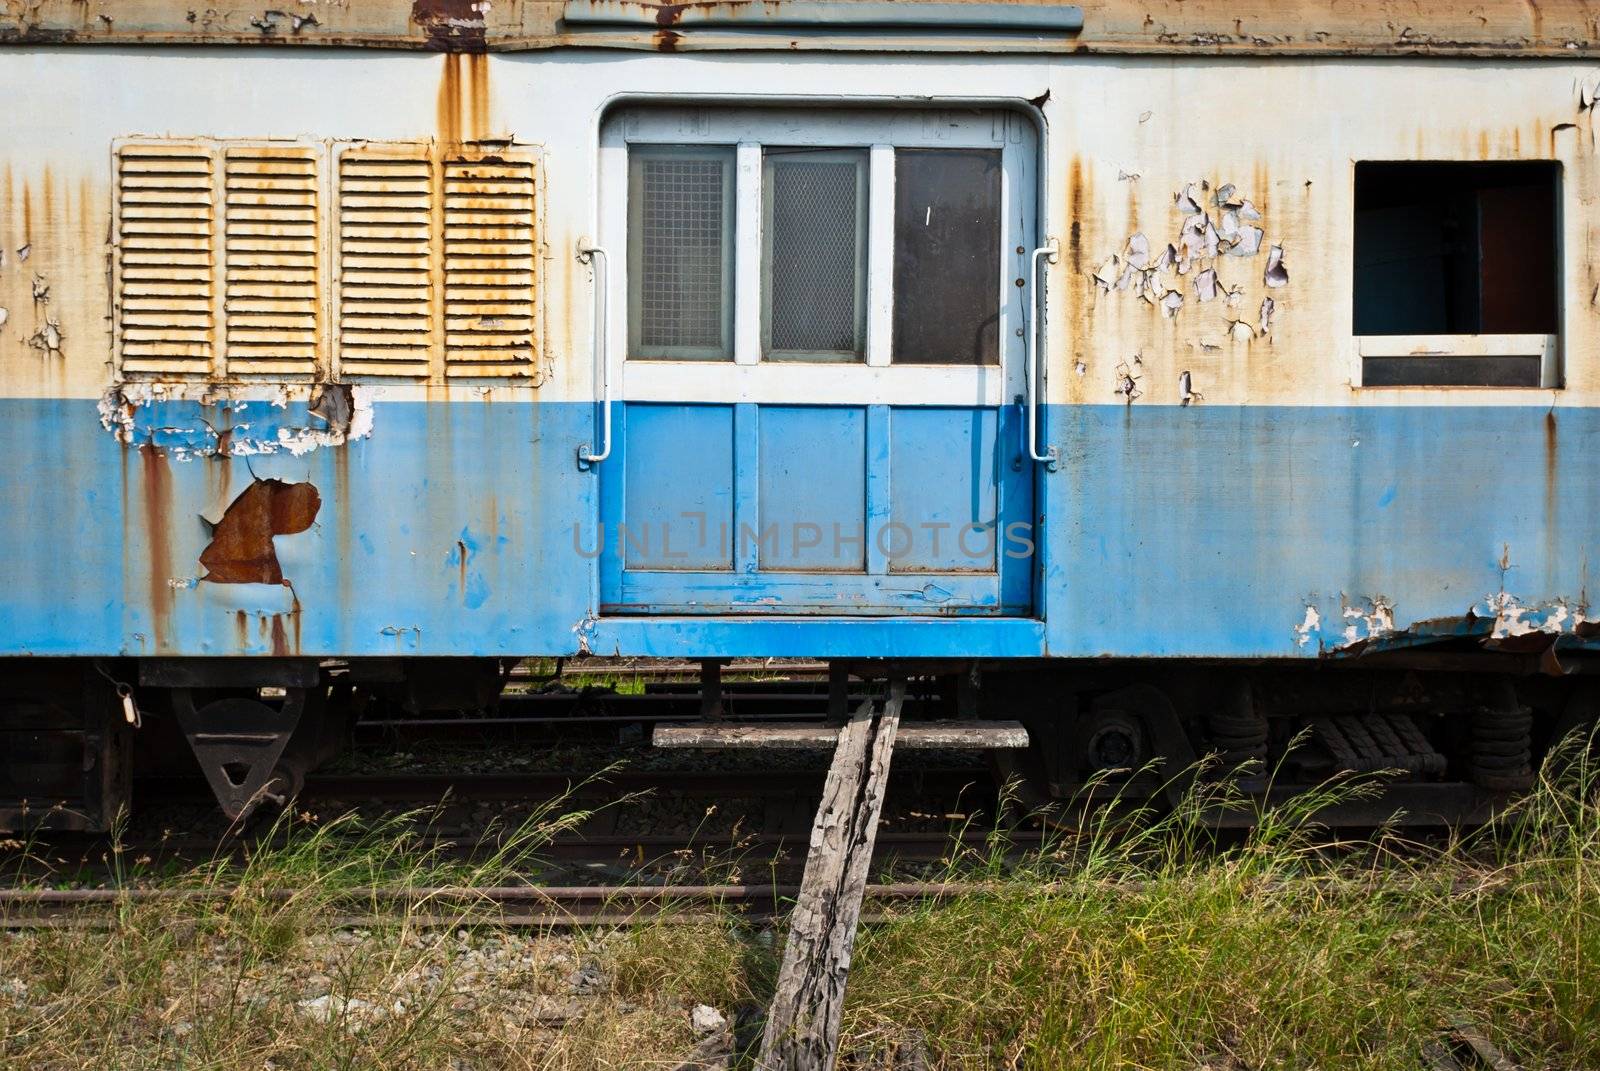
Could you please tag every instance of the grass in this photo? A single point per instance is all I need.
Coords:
(1137, 941)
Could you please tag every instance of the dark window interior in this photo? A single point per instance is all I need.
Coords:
(947, 256)
(1456, 249)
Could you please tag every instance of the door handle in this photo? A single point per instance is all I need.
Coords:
(1051, 249)
(597, 256)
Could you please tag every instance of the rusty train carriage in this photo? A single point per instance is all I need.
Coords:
(309, 358)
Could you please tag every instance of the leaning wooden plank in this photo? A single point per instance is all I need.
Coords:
(921, 736)
(802, 1031)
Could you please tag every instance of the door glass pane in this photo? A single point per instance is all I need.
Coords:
(681, 252)
(946, 256)
(815, 253)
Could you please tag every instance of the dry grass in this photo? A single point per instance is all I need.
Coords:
(1143, 945)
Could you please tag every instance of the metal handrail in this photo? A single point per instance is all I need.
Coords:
(1052, 250)
(597, 255)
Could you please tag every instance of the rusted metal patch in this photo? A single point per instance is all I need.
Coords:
(453, 25)
(241, 549)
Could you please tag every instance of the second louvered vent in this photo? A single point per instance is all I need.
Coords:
(489, 267)
(272, 292)
(385, 267)
(165, 259)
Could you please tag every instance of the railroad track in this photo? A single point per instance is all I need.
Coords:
(505, 906)
(740, 784)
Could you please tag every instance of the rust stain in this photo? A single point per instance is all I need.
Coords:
(451, 25)
(47, 195)
(447, 108)
(461, 565)
(280, 642)
(342, 532)
(241, 626)
(86, 235)
(667, 40)
(461, 110)
(478, 96)
(157, 488)
(241, 550)
(1552, 496)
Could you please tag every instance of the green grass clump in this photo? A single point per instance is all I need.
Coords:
(1136, 946)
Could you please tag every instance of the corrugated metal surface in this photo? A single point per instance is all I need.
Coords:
(438, 255)
(386, 286)
(490, 265)
(166, 263)
(273, 260)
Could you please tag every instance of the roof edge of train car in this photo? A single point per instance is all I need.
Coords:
(1495, 28)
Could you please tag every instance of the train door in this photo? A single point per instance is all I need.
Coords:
(815, 353)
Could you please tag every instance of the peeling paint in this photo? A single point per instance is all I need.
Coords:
(1214, 224)
(1128, 382)
(1310, 625)
(47, 339)
(1186, 392)
(1512, 618)
(1370, 620)
(1275, 274)
(210, 420)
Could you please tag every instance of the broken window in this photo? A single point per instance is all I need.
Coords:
(681, 241)
(1457, 273)
(946, 256)
(814, 253)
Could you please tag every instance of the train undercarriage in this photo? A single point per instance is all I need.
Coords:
(1443, 739)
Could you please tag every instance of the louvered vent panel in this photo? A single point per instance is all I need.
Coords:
(272, 306)
(385, 280)
(489, 267)
(165, 198)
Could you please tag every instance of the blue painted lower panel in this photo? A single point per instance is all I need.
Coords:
(467, 528)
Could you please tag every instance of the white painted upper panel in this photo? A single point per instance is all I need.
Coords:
(1125, 140)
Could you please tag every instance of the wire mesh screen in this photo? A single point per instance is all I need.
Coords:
(682, 246)
(815, 231)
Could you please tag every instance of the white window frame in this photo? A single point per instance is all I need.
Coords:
(828, 380)
(1545, 347)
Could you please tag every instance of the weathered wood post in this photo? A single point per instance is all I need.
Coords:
(802, 1030)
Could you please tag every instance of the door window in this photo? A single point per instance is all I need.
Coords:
(946, 247)
(814, 255)
(681, 201)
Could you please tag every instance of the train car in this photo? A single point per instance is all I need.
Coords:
(1177, 377)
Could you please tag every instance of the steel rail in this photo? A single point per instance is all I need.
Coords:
(501, 906)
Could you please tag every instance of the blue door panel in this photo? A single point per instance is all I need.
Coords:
(678, 504)
(868, 510)
(813, 488)
(944, 489)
